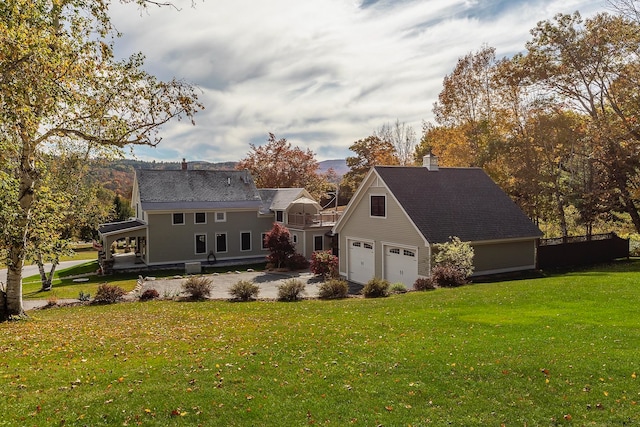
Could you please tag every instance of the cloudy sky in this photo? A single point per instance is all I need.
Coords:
(320, 73)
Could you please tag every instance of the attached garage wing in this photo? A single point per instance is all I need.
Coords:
(400, 265)
(361, 261)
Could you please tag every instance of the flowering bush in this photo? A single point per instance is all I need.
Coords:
(455, 253)
(324, 263)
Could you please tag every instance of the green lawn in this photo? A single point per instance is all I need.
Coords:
(561, 350)
(65, 287)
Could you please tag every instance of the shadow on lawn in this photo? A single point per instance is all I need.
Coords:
(618, 266)
(631, 265)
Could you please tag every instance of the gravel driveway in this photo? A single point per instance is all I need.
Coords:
(267, 281)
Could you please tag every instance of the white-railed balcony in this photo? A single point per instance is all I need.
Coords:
(306, 220)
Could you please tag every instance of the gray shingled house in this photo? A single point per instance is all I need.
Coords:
(398, 213)
(184, 216)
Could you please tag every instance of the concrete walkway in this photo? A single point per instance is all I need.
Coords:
(31, 269)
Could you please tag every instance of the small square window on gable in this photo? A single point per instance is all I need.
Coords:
(178, 218)
(221, 216)
(200, 218)
(279, 216)
(378, 206)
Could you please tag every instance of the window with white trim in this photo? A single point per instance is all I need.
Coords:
(177, 218)
(201, 243)
(221, 242)
(221, 216)
(318, 243)
(200, 218)
(263, 243)
(279, 216)
(245, 241)
(378, 205)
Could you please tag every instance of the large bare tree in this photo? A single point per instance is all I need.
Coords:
(402, 137)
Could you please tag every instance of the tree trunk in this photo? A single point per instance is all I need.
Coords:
(17, 246)
(630, 207)
(54, 265)
(3, 305)
(43, 274)
(46, 281)
(13, 301)
(563, 219)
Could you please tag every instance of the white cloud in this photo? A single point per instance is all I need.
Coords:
(321, 74)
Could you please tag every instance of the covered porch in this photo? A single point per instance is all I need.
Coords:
(134, 232)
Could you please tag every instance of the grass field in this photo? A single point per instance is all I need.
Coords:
(560, 350)
(65, 287)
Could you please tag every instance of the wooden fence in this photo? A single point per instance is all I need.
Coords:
(582, 250)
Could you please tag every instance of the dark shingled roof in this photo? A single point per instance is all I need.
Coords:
(175, 189)
(462, 202)
(120, 226)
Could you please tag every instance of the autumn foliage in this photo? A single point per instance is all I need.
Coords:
(324, 264)
(277, 164)
(282, 252)
(108, 294)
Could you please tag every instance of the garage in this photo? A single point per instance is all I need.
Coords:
(361, 261)
(400, 265)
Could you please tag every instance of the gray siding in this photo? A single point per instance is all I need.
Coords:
(394, 228)
(306, 238)
(170, 243)
(504, 257)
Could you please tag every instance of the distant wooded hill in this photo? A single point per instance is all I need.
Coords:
(117, 175)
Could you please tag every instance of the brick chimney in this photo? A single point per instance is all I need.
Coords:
(430, 161)
(184, 164)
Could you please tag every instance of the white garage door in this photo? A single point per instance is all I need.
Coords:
(361, 267)
(401, 265)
